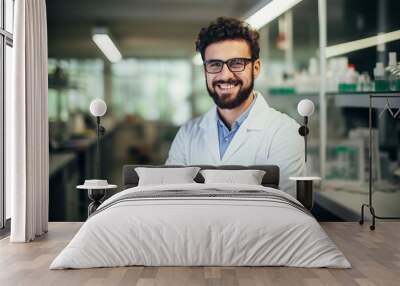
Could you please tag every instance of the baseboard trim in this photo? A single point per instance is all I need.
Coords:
(336, 208)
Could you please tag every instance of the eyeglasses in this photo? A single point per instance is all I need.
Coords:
(234, 65)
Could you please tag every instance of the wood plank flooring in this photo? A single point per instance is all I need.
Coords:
(375, 257)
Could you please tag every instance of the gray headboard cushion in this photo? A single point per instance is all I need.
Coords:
(271, 178)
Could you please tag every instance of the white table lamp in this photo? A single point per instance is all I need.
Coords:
(97, 188)
(305, 109)
(304, 185)
(98, 108)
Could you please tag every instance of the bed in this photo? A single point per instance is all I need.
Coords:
(201, 224)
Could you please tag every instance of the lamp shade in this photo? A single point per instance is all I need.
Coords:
(98, 107)
(305, 107)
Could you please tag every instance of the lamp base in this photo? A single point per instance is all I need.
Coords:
(304, 190)
(304, 193)
(97, 197)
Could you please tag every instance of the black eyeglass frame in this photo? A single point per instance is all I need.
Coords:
(246, 62)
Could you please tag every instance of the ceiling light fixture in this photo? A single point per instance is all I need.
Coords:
(104, 42)
(269, 12)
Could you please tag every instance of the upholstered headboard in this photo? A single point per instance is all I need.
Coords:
(271, 178)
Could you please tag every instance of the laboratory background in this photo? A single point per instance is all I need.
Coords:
(157, 84)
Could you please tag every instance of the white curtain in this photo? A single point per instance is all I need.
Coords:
(27, 158)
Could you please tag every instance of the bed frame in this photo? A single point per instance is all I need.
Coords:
(271, 178)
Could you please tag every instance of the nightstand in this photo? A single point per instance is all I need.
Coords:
(304, 190)
(96, 192)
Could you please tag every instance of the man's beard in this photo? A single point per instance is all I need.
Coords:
(242, 95)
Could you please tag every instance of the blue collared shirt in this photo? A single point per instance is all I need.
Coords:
(225, 135)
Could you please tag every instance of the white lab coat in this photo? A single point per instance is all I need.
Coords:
(267, 136)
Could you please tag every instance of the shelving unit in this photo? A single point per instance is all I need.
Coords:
(370, 187)
(343, 99)
(361, 99)
(340, 116)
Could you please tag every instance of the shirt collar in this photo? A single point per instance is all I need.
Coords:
(241, 118)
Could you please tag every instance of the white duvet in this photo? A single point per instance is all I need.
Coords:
(200, 231)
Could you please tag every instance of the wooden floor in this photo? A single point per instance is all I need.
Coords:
(374, 255)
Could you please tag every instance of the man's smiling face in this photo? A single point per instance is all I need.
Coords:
(230, 89)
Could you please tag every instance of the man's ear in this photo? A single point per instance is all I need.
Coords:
(256, 68)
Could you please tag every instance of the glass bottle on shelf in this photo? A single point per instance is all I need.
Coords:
(390, 72)
(397, 80)
(364, 82)
(380, 81)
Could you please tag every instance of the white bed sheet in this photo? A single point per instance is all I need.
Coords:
(200, 231)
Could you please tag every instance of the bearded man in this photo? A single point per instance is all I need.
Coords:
(241, 129)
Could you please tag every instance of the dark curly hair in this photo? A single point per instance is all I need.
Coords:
(228, 29)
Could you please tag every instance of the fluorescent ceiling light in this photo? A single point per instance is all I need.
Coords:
(197, 60)
(106, 45)
(348, 47)
(270, 12)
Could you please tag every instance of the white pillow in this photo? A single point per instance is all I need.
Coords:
(163, 176)
(249, 177)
